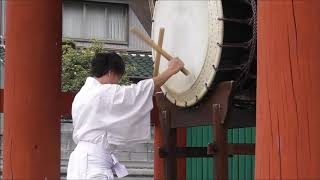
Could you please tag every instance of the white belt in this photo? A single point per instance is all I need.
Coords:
(117, 167)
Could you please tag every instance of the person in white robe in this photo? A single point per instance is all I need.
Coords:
(107, 116)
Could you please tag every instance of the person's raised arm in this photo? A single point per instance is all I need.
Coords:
(174, 66)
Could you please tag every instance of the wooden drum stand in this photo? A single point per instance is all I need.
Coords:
(213, 111)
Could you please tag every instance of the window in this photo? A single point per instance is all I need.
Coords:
(101, 21)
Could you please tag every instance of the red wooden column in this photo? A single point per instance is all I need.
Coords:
(158, 163)
(32, 89)
(288, 94)
(158, 142)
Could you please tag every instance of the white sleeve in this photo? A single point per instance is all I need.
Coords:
(129, 114)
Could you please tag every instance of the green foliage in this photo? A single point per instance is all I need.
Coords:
(76, 65)
(130, 69)
(1, 55)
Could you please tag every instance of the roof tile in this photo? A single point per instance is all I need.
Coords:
(142, 62)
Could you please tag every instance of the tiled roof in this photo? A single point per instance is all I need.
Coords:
(142, 63)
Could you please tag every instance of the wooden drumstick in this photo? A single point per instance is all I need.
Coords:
(151, 43)
(158, 55)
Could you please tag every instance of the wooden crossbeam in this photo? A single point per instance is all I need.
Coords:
(188, 152)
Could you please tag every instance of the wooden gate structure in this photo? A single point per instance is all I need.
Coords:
(215, 111)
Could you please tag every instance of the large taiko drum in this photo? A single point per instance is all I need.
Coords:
(214, 38)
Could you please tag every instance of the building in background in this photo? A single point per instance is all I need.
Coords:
(107, 21)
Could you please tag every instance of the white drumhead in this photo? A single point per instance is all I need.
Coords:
(192, 31)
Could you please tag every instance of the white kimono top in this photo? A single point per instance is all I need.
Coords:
(106, 117)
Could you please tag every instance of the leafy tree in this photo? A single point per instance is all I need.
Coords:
(1, 54)
(76, 65)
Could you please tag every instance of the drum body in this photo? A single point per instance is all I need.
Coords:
(214, 38)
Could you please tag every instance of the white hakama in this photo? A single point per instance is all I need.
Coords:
(107, 117)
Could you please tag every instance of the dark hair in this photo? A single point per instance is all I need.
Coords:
(102, 63)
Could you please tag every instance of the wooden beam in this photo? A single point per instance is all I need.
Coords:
(142, 10)
(202, 112)
(220, 137)
(241, 149)
(232, 149)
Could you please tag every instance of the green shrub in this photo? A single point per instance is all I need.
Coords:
(76, 65)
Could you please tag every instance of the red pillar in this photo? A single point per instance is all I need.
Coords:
(158, 142)
(288, 93)
(32, 88)
(158, 163)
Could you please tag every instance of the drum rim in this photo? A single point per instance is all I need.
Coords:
(210, 65)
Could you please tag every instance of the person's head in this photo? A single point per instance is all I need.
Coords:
(107, 68)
